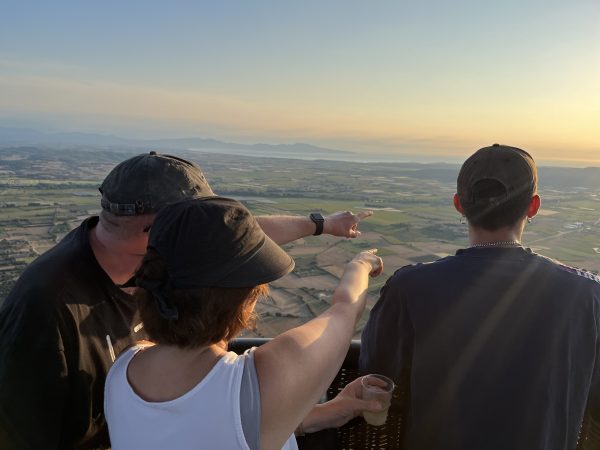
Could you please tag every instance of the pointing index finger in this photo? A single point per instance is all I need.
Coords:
(364, 214)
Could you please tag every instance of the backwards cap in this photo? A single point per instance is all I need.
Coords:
(146, 183)
(512, 167)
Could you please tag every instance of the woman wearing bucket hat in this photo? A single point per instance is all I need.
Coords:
(197, 291)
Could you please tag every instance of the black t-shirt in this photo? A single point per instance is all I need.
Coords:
(497, 348)
(55, 328)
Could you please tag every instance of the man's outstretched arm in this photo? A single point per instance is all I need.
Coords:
(284, 229)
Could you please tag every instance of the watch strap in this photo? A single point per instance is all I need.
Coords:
(319, 221)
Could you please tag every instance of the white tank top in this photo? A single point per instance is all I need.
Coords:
(206, 417)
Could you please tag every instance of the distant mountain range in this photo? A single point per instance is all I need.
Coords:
(27, 160)
(24, 136)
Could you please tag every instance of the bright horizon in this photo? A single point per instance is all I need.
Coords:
(388, 77)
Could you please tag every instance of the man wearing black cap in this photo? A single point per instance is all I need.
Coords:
(69, 314)
(495, 347)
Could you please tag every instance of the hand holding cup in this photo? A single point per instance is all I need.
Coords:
(377, 387)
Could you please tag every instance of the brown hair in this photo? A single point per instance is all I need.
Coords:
(206, 315)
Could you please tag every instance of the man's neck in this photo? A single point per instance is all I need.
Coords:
(504, 236)
(118, 259)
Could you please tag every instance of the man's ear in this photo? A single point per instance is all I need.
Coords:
(457, 205)
(534, 206)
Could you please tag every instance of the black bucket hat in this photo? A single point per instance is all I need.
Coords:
(215, 242)
(146, 183)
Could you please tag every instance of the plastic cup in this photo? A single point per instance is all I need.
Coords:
(377, 387)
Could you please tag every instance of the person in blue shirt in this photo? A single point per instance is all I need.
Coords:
(495, 347)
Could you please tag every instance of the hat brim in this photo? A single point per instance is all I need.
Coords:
(269, 263)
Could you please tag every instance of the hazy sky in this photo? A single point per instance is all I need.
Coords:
(434, 76)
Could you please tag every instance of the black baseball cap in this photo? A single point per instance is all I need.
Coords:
(146, 183)
(512, 167)
(215, 242)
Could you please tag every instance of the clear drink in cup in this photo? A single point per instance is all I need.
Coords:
(377, 387)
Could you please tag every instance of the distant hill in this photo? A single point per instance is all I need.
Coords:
(89, 141)
(564, 178)
(250, 149)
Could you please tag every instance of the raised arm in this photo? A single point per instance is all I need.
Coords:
(284, 229)
(295, 368)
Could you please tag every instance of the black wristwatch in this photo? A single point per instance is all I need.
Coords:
(318, 219)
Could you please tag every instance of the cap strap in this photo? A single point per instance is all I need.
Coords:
(123, 209)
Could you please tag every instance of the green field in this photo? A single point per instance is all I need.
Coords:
(413, 214)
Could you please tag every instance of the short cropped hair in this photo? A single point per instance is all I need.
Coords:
(206, 315)
(491, 208)
(125, 227)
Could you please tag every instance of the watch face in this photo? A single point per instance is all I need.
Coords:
(316, 217)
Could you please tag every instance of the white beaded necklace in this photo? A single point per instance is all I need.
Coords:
(497, 244)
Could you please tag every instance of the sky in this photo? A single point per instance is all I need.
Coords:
(435, 77)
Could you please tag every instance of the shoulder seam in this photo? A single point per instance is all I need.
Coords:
(571, 269)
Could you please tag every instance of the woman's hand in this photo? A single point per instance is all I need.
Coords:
(336, 412)
(352, 288)
(370, 258)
